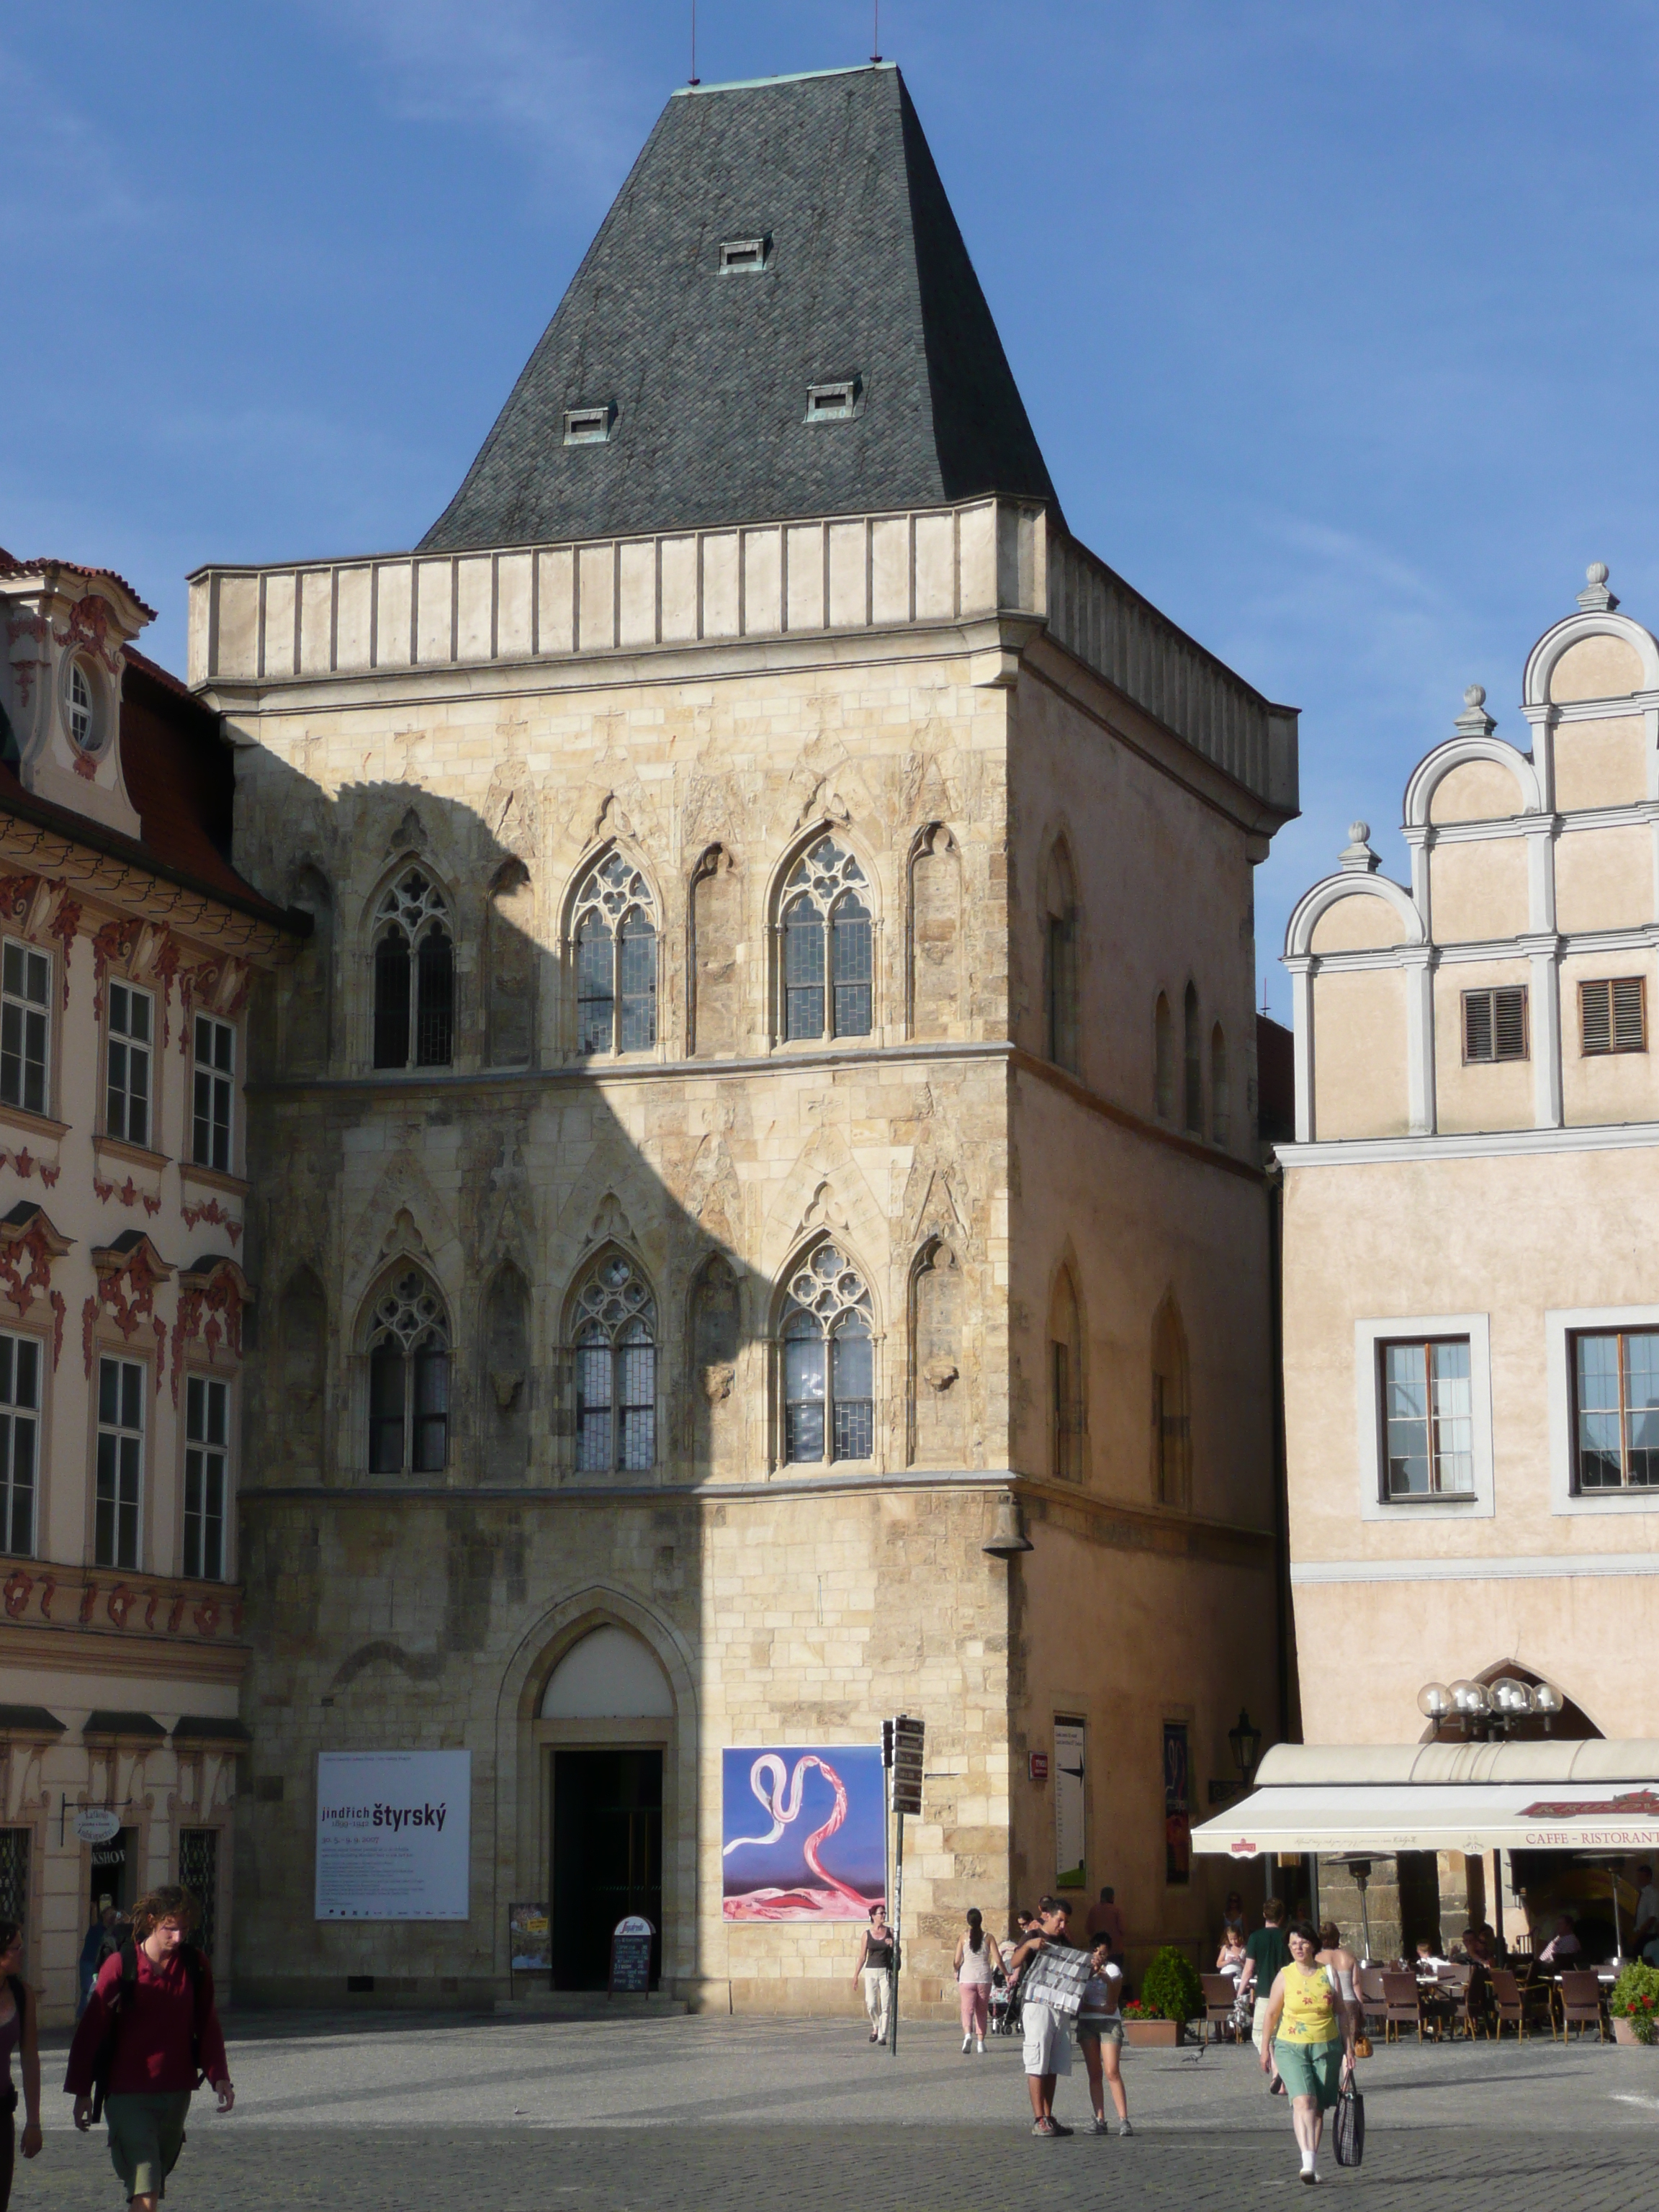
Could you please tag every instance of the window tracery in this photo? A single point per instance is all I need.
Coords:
(408, 1378)
(614, 928)
(828, 951)
(615, 1334)
(414, 975)
(829, 1362)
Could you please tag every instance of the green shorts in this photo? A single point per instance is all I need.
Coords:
(146, 2134)
(1310, 2070)
(1099, 2031)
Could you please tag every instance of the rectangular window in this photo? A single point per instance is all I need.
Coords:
(131, 1031)
(1065, 1423)
(215, 1069)
(1495, 1023)
(20, 1422)
(198, 1873)
(1612, 1015)
(14, 1875)
(206, 1448)
(120, 1463)
(1429, 1419)
(25, 1003)
(1616, 1409)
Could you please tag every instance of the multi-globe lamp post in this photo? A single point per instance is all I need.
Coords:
(1489, 1708)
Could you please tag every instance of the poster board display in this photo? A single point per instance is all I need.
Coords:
(630, 1956)
(804, 1832)
(1070, 1805)
(529, 1939)
(394, 1831)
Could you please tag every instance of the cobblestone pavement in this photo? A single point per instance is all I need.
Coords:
(750, 2115)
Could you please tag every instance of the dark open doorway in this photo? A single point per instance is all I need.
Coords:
(607, 1858)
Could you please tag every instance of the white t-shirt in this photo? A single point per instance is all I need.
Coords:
(1647, 1905)
(1103, 1995)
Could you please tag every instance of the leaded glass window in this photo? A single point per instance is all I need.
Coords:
(414, 975)
(828, 947)
(829, 1362)
(614, 929)
(615, 1357)
(409, 1379)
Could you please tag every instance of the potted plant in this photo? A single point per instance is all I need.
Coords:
(1634, 2004)
(1143, 2023)
(1170, 1995)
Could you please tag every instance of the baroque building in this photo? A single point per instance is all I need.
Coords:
(1471, 1310)
(128, 945)
(759, 1209)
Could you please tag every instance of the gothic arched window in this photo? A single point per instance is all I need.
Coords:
(615, 930)
(414, 975)
(409, 1379)
(829, 1362)
(615, 1335)
(827, 947)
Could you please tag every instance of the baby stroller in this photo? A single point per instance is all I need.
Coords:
(1005, 2005)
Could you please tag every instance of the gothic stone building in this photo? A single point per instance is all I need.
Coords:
(766, 1112)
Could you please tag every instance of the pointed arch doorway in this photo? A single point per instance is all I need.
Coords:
(606, 1724)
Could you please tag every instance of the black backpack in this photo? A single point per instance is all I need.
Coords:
(121, 1998)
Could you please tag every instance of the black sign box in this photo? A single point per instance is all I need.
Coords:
(630, 1965)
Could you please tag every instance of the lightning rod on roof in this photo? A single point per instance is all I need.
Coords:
(696, 79)
(875, 29)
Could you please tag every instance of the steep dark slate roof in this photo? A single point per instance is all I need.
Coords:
(867, 277)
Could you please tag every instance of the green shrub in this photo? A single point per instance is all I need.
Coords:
(1636, 1998)
(1170, 1985)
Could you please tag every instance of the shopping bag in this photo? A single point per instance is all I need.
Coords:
(1349, 2126)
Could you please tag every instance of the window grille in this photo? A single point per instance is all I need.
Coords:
(120, 1461)
(25, 1020)
(408, 1379)
(1428, 1418)
(615, 929)
(20, 1441)
(207, 1452)
(14, 1875)
(1495, 1024)
(1616, 1410)
(1612, 1015)
(1193, 1088)
(198, 1873)
(414, 976)
(1062, 982)
(132, 1033)
(1067, 1413)
(825, 913)
(215, 1069)
(615, 1338)
(828, 1363)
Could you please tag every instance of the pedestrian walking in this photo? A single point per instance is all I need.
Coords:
(1100, 2038)
(101, 1940)
(977, 1960)
(1309, 2033)
(18, 2029)
(874, 1969)
(149, 2037)
(1265, 1955)
(1047, 2035)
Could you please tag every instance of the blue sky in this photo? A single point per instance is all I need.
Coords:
(1336, 321)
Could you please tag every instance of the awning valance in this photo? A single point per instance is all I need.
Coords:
(1599, 1796)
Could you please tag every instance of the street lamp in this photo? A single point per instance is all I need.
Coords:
(1484, 1708)
(1434, 1701)
(1246, 1742)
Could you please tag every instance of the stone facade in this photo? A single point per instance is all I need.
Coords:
(988, 779)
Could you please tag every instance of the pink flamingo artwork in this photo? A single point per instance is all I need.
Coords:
(779, 1792)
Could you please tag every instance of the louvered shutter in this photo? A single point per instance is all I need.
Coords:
(1595, 1017)
(1629, 1026)
(1477, 1025)
(1509, 1024)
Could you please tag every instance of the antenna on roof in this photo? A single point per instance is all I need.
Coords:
(696, 79)
(875, 30)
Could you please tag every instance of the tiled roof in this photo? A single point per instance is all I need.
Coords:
(9, 565)
(867, 275)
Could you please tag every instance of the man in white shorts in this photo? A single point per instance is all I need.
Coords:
(1048, 2033)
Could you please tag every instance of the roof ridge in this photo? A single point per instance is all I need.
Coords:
(789, 76)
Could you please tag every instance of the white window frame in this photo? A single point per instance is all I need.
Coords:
(100, 1429)
(194, 1379)
(1369, 1338)
(147, 1045)
(11, 1412)
(210, 1072)
(1561, 1325)
(26, 1007)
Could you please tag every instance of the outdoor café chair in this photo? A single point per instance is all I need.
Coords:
(1579, 1997)
(1508, 2002)
(1220, 2000)
(1367, 1983)
(1400, 2003)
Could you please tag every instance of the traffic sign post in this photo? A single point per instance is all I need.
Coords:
(901, 1755)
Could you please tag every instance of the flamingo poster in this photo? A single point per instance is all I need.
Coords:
(803, 1833)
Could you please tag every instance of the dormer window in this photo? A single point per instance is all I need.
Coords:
(589, 426)
(834, 403)
(743, 257)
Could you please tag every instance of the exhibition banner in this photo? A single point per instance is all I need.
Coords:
(804, 1833)
(394, 1831)
(1070, 1805)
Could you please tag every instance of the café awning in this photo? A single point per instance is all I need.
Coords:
(1602, 1795)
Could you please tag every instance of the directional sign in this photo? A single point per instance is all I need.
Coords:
(902, 1742)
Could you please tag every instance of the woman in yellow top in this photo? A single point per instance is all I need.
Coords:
(1309, 2032)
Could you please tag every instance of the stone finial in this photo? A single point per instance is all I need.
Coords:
(1474, 721)
(1357, 858)
(1596, 598)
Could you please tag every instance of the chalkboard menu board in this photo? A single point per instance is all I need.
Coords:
(630, 1956)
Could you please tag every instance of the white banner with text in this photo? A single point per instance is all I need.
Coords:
(393, 1834)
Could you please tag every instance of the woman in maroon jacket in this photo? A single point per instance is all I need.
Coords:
(153, 2002)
